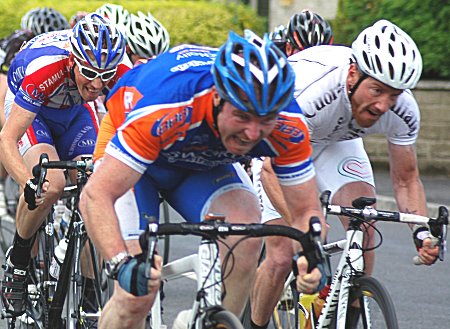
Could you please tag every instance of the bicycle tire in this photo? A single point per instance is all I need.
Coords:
(7, 232)
(377, 309)
(224, 320)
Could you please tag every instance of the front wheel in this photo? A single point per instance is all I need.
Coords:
(376, 307)
(223, 320)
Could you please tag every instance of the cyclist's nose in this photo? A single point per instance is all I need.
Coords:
(253, 131)
(97, 83)
(383, 105)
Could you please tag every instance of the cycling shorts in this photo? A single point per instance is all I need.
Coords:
(72, 131)
(190, 193)
(336, 165)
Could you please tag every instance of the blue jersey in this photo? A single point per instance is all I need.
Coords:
(170, 123)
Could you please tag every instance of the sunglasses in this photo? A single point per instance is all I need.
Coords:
(92, 74)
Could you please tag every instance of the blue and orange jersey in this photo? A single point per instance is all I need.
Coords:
(164, 111)
(40, 78)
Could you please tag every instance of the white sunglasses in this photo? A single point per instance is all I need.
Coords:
(92, 74)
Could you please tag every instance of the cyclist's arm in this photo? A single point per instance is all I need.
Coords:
(110, 181)
(409, 191)
(272, 189)
(17, 124)
(3, 89)
(407, 186)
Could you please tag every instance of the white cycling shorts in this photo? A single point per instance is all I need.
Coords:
(336, 165)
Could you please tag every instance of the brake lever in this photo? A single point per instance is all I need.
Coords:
(442, 223)
(152, 242)
(40, 173)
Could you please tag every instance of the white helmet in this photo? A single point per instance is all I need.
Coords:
(385, 52)
(117, 15)
(146, 36)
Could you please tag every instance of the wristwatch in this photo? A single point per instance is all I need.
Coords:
(113, 265)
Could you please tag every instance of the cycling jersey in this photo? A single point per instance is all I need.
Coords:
(321, 92)
(338, 152)
(40, 75)
(169, 135)
(170, 120)
(40, 80)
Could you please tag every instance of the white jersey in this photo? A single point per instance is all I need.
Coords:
(321, 92)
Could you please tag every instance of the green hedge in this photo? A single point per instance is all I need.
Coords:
(426, 21)
(199, 22)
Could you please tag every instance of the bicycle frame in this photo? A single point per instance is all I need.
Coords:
(206, 268)
(351, 263)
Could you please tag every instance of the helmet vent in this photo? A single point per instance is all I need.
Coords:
(391, 50)
(391, 71)
(378, 62)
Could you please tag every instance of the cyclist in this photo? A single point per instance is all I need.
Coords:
(347, 93)
(41, 20)
(34, 21)
(194, 112)
(49, 81)
(307, 29)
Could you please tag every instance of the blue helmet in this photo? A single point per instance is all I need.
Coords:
(95, 41)
(253, 74)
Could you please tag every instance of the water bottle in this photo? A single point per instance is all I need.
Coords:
(58, 258)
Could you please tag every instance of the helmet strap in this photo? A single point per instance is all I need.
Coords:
(216, 111)
(352, 90)
(72, 73)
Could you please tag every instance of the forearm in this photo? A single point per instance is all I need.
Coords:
(12, 160)
(303, 203)
(102, 225)
(411, 197)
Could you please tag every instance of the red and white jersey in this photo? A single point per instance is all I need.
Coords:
(40, 75)
(321, 92)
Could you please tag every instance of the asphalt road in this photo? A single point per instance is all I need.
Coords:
(421, 294)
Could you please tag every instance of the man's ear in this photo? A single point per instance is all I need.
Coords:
(216, 97)
(353, 75)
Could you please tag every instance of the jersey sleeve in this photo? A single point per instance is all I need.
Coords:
(290, 139)
(404, 124)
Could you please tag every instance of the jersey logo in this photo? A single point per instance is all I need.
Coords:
(172, 120)
(289, 130)
(356, 168)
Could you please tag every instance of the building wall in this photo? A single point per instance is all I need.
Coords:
(281, 10)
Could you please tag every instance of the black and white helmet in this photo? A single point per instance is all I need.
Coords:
(386, 53)
(308, 29)
(146, 36)
(41, 20)
(116, 14)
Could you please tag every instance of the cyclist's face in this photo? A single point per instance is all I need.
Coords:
(89, 89)
(241, 131)
(371, 100)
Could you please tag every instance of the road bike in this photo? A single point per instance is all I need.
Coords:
(207, 310)
(355, 300)
(59, 301)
